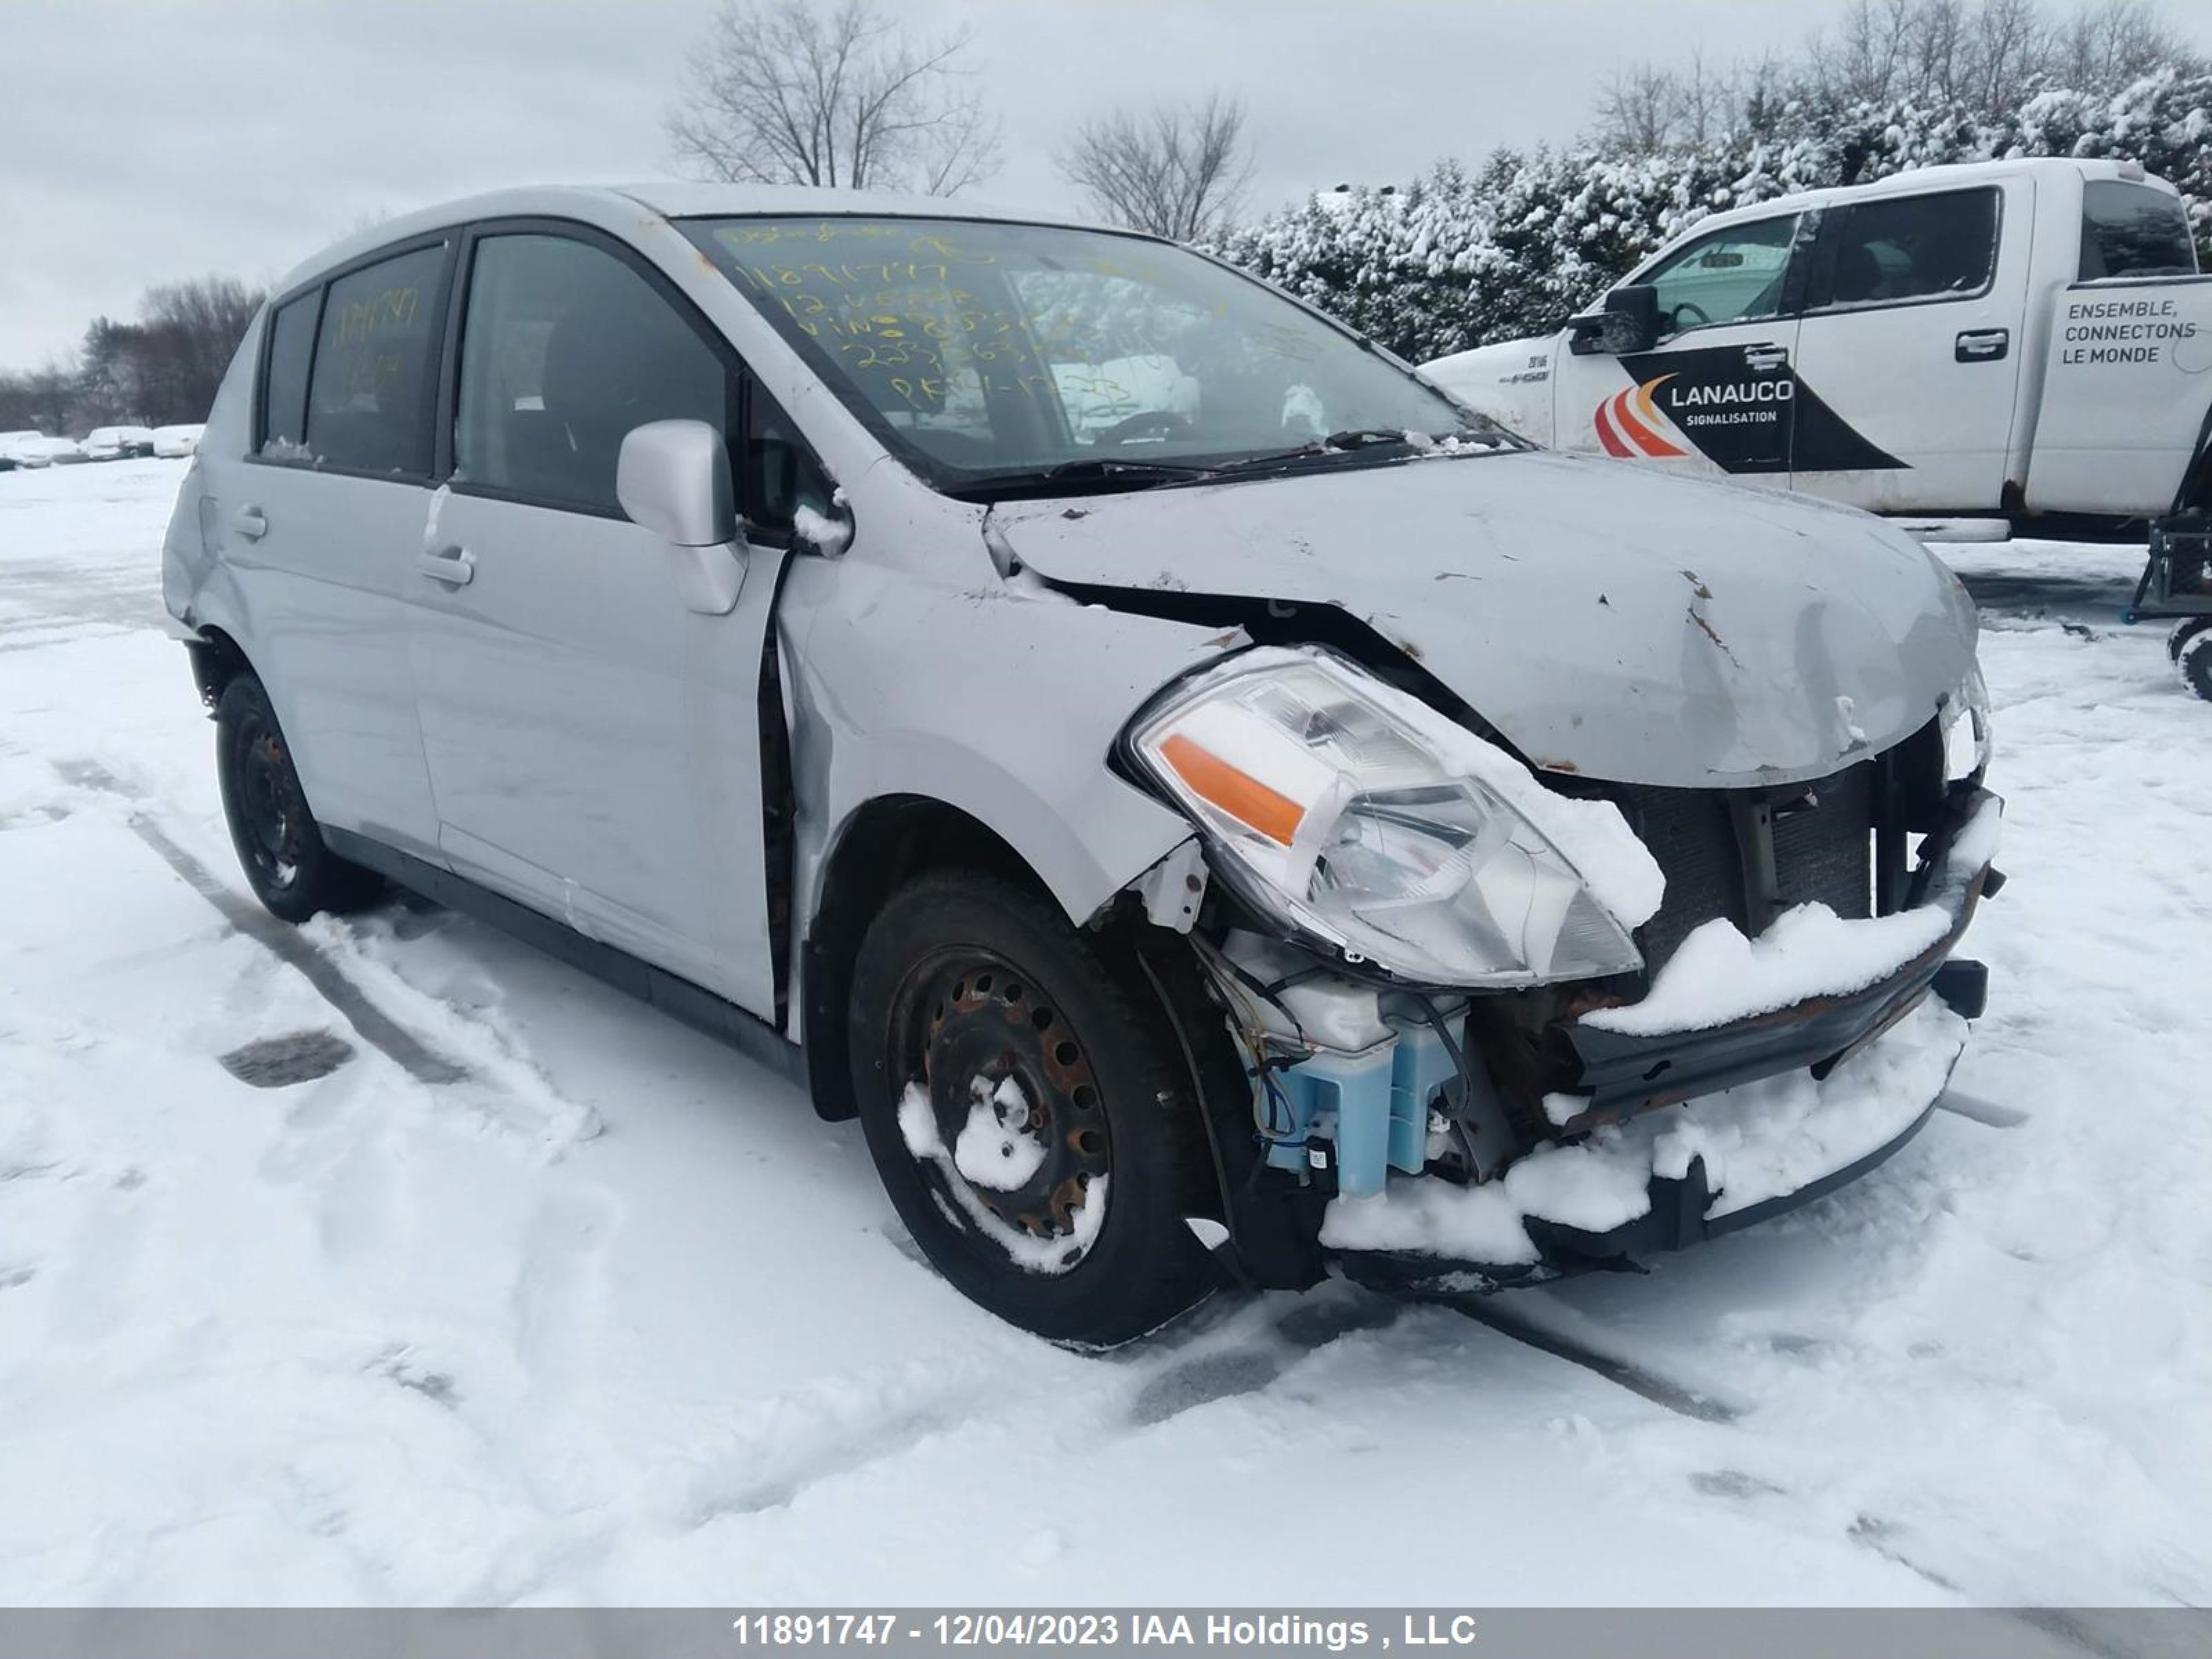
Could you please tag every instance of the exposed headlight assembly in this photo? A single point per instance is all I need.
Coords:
(1361, 817)
(1964, 713)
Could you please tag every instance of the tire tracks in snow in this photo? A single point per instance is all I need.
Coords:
(376, 1027)
(1639, 1380)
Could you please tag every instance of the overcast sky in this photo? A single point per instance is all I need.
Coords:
(143, 143)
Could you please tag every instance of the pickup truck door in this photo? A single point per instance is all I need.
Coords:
(2126, 406)
(1910, 345)
(1715, 395)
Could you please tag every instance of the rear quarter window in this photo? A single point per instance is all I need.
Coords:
(284, 388)
(2132, 230)
(369, 398)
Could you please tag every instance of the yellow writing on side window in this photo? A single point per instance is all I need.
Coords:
(395, 308)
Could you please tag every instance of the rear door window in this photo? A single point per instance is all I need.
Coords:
(285, 392)
(565, 350)
(1941, 246)
(2132, 230)
(370, 398)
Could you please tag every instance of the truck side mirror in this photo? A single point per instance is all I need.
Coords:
(673, 479)
(1629, 322)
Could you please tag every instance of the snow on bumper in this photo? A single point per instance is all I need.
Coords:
(1763, 1112)
(1745, 1149)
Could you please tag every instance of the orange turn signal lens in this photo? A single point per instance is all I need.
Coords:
(1235, 792)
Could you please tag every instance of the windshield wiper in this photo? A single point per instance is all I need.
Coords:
(1096, 471)
(1348, 442)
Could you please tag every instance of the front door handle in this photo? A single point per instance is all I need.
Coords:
(1764, 357)
(455, 566)
(1982, 345)
(249, 522)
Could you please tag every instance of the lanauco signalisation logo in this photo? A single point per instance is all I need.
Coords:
(1628, 425)
(1741, 414)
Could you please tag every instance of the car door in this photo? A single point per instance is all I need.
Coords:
(593, 744)
(319, 524)
(1910, 342)
(1714, 395)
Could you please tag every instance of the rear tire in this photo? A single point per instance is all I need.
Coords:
(2190, 647)
(1029, 1115)
(279, 844)
(2192, 658)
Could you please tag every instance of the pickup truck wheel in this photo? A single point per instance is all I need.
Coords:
(1028, 1114)
(280, 847)
(2191, 647)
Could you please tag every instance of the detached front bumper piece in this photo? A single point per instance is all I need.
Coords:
(1763, 1112)
(1623, 1072)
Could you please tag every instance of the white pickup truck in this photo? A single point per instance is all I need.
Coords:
(1967, 348)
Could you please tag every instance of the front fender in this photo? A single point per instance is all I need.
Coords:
(1003, 704)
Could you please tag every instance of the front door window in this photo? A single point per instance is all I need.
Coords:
(1733, 276)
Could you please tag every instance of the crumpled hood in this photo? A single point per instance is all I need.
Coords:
(1607, 621)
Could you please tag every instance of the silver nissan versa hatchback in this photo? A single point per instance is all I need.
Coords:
(1214, 809)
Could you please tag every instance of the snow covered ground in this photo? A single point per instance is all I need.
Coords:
(541, 1298)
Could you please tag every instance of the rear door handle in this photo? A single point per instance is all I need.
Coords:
(249, 522)
(455, 566)
(1764, 357)
(1982, 345)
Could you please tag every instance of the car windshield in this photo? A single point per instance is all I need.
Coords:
(991, 356)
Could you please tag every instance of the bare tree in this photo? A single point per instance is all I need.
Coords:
(1635, 112)
(1178, 170)
(2013, 44)
(1986, 54)
(2104, 47)
(788, 93)
(1759, 89)
(186, 335)
(1866, 59)
(1701, 101)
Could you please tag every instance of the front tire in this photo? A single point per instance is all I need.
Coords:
(279, 844)
(1029, 1115)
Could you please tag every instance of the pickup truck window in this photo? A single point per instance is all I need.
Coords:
(1942, 246)
(2132, 230)
(1733, 276)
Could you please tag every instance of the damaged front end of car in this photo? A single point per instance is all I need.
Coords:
(1496, 1025)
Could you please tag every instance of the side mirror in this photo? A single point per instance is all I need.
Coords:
(673, 479)
(1628, 323)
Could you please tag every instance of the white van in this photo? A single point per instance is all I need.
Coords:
(1994, 342)
(933, 650)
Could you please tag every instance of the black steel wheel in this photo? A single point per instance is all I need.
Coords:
(2190, 647)
(279, 844)
(1027, 1111)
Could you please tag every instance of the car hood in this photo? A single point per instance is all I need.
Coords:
(1607, 621)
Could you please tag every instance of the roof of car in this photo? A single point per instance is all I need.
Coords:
(680, 199)
(671, 199)
(1913, 181)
